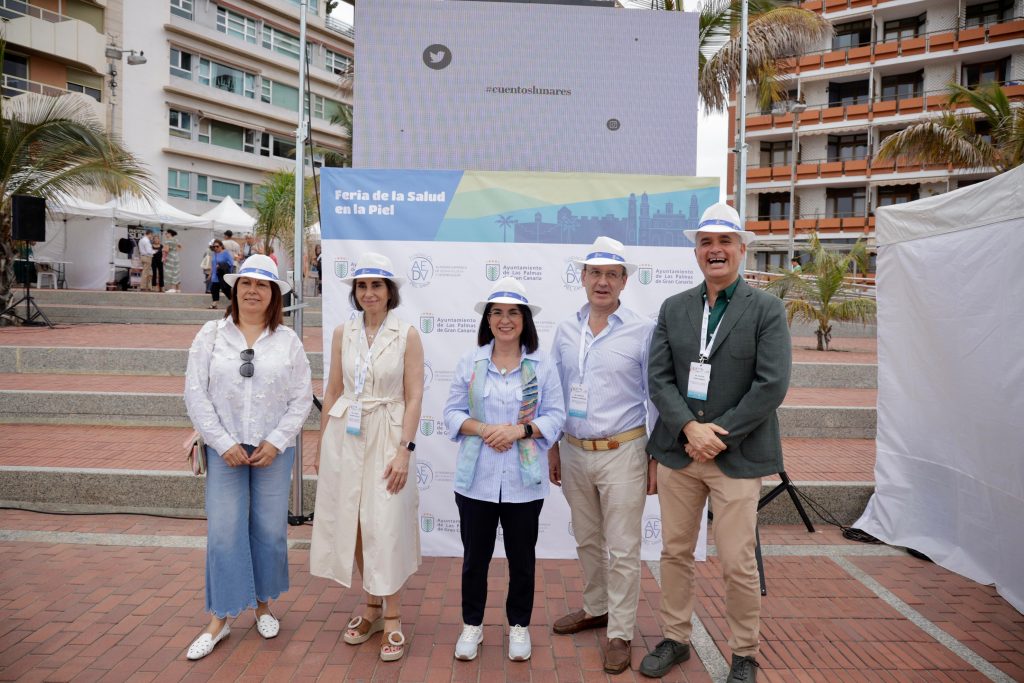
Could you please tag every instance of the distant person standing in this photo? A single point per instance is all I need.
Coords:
(158, 260)
(146, 252)
(172, 261)
(206, 265)
(248, 246)
(232, 247)
(223, 265)
(794, 265)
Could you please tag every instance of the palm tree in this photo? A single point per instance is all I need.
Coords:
(505, 222)
(275, 208)
(820, 294)
(52, 147)
(777, 29)
(991, 137)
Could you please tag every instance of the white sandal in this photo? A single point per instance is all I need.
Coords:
(267, 625)
(204, 644)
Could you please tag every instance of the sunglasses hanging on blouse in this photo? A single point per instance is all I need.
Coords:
(247, 369)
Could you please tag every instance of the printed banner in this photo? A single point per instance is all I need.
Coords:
(452, 234)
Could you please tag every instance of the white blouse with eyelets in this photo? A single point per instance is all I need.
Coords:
(227, 408)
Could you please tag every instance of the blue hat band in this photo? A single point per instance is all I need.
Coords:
(258, 271)
(364, 272)
(509, 295)
(605, 254)
(719, 221)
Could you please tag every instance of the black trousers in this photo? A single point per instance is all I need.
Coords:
(217, 287)
(158, 269)
(478, 524)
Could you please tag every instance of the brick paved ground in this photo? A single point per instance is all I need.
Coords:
(120, 612)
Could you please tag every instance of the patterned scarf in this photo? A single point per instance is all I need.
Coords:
(469, 451)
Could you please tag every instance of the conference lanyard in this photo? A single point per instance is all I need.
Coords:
(705, 343)
(584, 349)
(363, 363)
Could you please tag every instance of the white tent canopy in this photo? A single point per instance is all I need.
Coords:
(229, 216)
(155, 211)
(949, 471)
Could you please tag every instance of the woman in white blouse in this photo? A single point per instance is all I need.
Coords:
(248, 392)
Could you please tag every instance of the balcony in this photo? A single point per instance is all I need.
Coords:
(53, 34)
(806, 225)
(944, 41)
(847, 169)
(12, 87)
(867, 110)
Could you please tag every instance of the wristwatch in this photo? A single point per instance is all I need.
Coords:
(409, 445)
(528, 431)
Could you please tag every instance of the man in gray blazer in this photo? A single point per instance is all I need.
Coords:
(719, 367)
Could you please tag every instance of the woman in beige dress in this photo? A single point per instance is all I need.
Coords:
(366, 511)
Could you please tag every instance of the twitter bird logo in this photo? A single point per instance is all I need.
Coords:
(437, 56)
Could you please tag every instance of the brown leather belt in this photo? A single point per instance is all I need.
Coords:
(607, 444)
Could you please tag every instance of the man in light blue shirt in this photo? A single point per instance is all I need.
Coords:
(601, 463)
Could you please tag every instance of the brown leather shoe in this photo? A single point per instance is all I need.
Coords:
(617, 656)
(578, 621)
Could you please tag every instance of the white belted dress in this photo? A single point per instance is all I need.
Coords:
(351, 491)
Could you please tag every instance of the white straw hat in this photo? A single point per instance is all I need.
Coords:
(374, 265)
(259, 267)
(606, 252)
(507, 290)
(720, 218)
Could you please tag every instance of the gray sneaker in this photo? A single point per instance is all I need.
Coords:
(519, 646)
(663, 657)
(469, 642)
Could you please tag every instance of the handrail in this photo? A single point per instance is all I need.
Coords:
(860, 284)
(339, 26)
(23, 85)
(22, 8)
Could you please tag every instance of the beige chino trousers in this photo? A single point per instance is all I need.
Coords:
(606, 492)
(734, 503)
(146, 282)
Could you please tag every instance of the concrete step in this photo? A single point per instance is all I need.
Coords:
(120, 407)
(146, 361)
(63, 313)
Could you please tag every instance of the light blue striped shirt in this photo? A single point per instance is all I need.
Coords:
(614, 371)
(497, 477)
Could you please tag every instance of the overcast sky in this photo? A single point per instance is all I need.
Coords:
(711, 130)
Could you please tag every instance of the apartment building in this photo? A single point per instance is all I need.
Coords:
(812, 164)
(204, 92)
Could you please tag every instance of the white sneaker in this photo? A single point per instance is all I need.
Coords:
(519, 647)
(469, 642)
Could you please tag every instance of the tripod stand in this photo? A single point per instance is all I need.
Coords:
(32, 310)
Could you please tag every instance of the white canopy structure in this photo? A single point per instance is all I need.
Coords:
(229, 216)
(949, 470)
(85, 235)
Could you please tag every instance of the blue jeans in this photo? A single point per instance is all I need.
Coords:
(246, 532)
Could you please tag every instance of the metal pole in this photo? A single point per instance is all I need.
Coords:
(795, 110)
(741, 129)
(300, 167)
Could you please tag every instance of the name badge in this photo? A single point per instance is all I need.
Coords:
(577, 400)
(355, 418)
(700, 377)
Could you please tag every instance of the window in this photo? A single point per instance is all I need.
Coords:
(897, 194)
(280, 42)
(283, 147)
(845, 94)
(852, 34)
(181, 124)
(902, 86)
(236, 25)
(178, 183)
(773, 206)
(847, 147)
(845, 202)
(984, 73)
(227, 78)
(181, 63)
(94, 93)
(279, 95)
(183, 8)
(324, 108)
(216, 189)
(777, 153)
(15, 75)
(337, 62)
(204, 131)
(226, 135)
(986, 13)
(910, 27)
